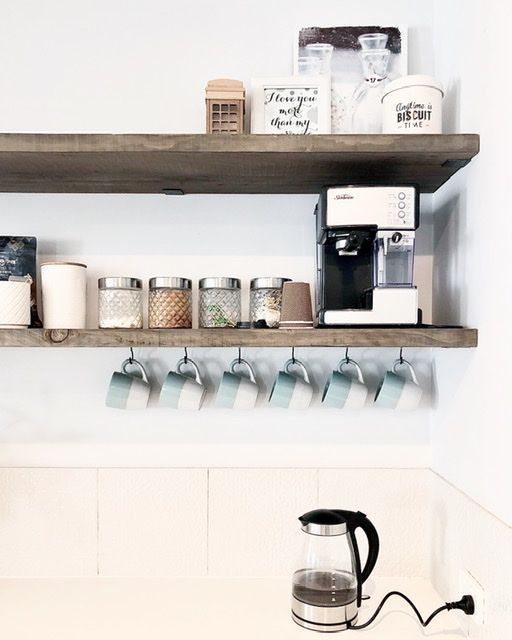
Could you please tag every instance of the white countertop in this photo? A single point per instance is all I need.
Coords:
(182, 608)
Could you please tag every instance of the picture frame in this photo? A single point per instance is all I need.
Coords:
(291, 105)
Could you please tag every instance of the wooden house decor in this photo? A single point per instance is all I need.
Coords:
(225, 106)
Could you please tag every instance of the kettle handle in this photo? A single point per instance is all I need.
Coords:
(355, 520)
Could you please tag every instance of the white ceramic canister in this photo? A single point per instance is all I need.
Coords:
(413, 104)
(64, 293)
(15, 303)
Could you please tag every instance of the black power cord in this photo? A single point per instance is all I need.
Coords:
(466, 604)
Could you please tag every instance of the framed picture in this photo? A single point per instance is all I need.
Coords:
(361, 61)
(291, 105)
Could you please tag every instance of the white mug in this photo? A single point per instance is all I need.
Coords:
(343, 391)
(181, 391)
(291, 391)
(396, 391)
(235, 390)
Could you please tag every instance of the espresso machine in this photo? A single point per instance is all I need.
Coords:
(365, 255)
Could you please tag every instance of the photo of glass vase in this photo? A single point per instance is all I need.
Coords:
(366, 104)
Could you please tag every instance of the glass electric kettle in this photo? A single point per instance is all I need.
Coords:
(327, 588)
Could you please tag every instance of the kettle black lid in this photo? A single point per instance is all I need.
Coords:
(324, 522)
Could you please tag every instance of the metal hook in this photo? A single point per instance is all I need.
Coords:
(347, 359)
(239, 355)
(131, 358)
(401, 355)
(185, 359)
(293, 355)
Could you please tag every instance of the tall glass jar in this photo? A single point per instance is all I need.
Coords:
(265, 301)
(170, 303)
(219, 302)
(120, 303)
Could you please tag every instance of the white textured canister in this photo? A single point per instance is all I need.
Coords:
(14, 304)
(413, 104)
(64, 292)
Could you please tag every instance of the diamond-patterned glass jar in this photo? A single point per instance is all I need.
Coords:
(120, 303)
(219, 302)
(265, 303)
(170, 303)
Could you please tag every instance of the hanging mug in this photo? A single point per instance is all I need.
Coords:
(397, 392)
(291, 391)
(343, 391)
(237, 391)
(182, 391)
(128, 390)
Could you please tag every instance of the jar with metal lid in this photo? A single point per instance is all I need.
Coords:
(170, 303)
(265, 301)
(120, 303)
(219, 302)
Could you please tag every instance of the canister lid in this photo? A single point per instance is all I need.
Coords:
(412, 81)
(64, 264)
(268, 283)
(324, 522)
(168, 282)
(219, 283)
(121, 282)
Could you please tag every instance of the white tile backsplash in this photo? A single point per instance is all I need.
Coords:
(466, 537)
(253, 527)
(397, 501)
(243, 522)
(48, 522)
(152, 522)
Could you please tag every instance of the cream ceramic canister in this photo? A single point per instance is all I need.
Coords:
(413, 104)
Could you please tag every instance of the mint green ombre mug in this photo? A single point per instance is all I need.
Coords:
(237, 391)
(181, 390)
(292, 391)
(398, 392)
(129, 390)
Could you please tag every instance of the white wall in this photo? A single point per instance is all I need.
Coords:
(142, 67)
(472, 435)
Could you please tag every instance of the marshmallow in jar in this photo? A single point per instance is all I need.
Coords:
(15, 302)
(64, 293)
(413, 104)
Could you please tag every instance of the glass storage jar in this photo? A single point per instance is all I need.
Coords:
(120, 303)
(219, 302)
(265, 301)
(170, 303)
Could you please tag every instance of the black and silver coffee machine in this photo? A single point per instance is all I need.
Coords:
(365, 255)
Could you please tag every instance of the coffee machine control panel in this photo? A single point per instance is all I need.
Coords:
(387, 207)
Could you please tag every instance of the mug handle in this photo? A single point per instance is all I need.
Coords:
(297, 363)
(135, 363)
(399, 363)
(188, 361)
(233, 365)
(349, 361)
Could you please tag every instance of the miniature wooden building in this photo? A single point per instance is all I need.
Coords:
(225, 106)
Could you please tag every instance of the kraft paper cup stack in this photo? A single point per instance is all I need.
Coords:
(296, 311)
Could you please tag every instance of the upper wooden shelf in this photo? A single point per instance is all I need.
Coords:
(350, 337)
(150, 163)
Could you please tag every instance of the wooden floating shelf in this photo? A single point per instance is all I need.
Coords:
(353, 337)
(199, 163)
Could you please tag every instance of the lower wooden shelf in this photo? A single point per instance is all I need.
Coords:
(352, 337)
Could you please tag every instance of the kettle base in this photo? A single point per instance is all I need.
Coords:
(324, 619)
(323, 628)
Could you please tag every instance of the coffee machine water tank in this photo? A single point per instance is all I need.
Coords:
(394, 258)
